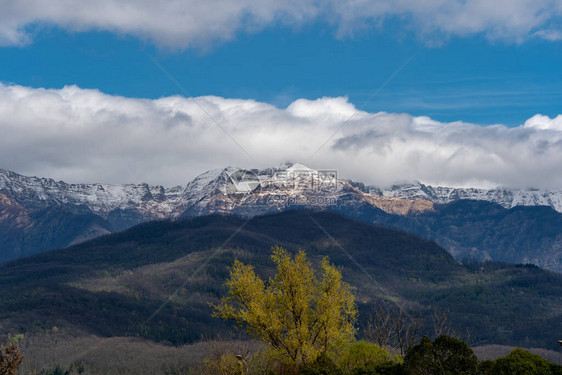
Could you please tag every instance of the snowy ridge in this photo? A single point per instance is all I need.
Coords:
(505, 197)
(250, 192)
(33, 193)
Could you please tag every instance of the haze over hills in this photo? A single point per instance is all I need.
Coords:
(37, 214)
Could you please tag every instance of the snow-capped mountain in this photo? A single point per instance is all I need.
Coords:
(37, 214)
(254, 192)
(505, 197)
(228, 189)
(154, 202)
(32, 206)
(222, 190)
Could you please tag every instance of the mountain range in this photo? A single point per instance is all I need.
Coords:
(518, 226)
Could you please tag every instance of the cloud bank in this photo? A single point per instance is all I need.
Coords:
(79, 135)
(181, 24)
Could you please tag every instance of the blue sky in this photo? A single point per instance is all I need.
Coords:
(477, 104)
(471, 79)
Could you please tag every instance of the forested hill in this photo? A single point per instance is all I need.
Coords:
(112, 285)
(484, 230)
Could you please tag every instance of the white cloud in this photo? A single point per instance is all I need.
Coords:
(544, 123)
(82, 135)
(186, 23)
(169, 22)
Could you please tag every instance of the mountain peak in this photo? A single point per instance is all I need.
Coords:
(299, 167)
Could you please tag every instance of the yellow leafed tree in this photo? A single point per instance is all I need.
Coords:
(299, 314)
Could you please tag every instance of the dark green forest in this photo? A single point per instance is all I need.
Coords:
(111, 286)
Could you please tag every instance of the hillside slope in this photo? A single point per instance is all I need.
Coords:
(487, 231)
(113, 285)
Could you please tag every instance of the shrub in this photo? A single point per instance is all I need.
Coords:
(484, 367)
(521, 362)
(454, 355)
(226, 364)
(323, 365)
(445, 356)
(360, 355)
(389, 368)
